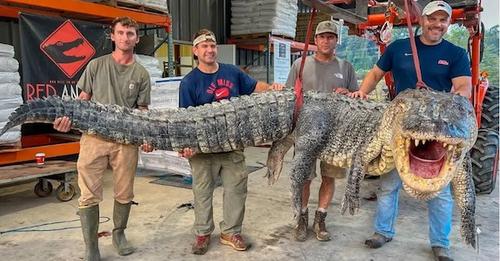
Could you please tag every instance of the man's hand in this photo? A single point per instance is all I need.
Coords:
(186, 153)
(62, 124)
(342, 91)
(147, 148)
(276, 86)
(358, 94)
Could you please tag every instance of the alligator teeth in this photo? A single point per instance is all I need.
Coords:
(416, 142)
(451, 147)
(423, 142)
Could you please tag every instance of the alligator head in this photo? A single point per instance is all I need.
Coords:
(431, 134)
(57, 51)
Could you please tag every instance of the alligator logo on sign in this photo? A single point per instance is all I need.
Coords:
(68, 48)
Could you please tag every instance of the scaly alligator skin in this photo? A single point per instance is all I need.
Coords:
(364, 136)
(425, 135)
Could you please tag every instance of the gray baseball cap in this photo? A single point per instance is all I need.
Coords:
(327, 27)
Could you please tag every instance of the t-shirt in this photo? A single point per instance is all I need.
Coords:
(439, 64)
(198, 88)
(323, 76)
(111, 83)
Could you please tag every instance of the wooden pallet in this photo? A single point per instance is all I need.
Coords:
(303, 22)
(131, 5)
(10, 147)
(26, 171)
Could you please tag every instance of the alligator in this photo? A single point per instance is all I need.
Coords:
(424, 134)
(56, 51)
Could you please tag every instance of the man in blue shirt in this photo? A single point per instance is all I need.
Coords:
(445, 67)
(211, 81)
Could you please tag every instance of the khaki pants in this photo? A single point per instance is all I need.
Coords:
(95, 156)
(231, 168)
(328, 170)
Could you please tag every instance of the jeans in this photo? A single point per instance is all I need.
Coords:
(440, 211)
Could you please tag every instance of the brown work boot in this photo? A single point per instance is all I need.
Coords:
(236, 241)
(441, 254)
(377, 240)
(200, 245)
(300, 230)
(319, 226)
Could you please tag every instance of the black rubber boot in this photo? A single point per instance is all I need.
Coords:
(89, 218)
(120, 219)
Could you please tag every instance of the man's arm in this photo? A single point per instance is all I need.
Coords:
(63, 124)
(369, 83)
(264, 87)
(462, 85)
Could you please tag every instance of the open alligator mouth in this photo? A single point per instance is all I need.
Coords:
(427, 157)
(426, 165)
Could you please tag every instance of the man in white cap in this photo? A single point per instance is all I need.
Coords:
(445, 67)
(323, 72)
(211, 81)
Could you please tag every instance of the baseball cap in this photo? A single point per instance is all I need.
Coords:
(436, 6)
(327, 27)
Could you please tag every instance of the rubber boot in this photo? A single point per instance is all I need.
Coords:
(89, 218)
(120, 219)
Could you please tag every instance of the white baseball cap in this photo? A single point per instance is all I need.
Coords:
(434, 6)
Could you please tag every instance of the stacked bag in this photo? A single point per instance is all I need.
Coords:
(278, 17)
(259, 73)
(156, 4)
(10, 94)
(153, 66)
(163, 96)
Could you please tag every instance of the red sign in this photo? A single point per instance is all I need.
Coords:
(68, 48)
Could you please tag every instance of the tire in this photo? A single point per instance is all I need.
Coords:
(484, 157)
(489, 115)
(64, 196)
(39, 191)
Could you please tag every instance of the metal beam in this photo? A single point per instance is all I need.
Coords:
(89, 9)
(336, 12)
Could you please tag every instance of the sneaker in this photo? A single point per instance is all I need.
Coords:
(319, 226)
(441, 254)
(377, 241)
(236, 241)
(300, 230)
(200, 245)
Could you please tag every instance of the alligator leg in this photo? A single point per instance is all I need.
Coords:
(465, 195)
(275, 158)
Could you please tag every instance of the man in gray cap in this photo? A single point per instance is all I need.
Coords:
(443, 65)
(323, 72)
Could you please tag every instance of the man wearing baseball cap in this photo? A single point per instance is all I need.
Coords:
(211, 81)
(323, 72)
(445, 67)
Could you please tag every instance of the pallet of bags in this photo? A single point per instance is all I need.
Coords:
(10, 94)
(164, 96)
(278, 17)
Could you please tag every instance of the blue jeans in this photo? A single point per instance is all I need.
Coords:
(440, 210)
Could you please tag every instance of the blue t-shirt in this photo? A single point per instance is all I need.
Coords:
(439, 64)
(198, 88)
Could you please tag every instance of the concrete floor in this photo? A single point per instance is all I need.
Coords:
(160, 231)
